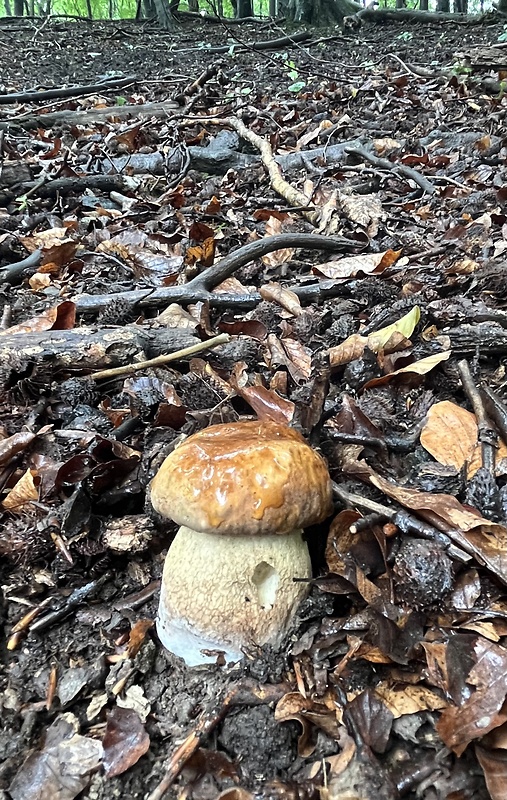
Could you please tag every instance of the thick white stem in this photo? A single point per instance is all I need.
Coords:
(227, 593)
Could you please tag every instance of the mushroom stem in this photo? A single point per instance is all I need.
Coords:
(227, 593)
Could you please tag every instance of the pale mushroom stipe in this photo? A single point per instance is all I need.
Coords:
(242, 492)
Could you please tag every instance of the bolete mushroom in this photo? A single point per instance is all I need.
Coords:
(242, 493)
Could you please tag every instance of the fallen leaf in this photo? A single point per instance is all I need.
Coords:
(494, 766)
(354, 346)
(485, 540)
(267, 404)
(450, 434)
(421, 367)
(484, 709)
(348, 267)
(64, 766)
(60, 317)
(365, 210)
(125, 741)
(276, 293)
(403, 699)
(25, 491)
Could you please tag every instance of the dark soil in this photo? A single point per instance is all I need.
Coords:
(86, 647)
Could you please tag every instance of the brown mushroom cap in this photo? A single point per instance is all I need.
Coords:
(243, 478)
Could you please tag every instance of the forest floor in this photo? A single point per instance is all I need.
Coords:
(388, 354)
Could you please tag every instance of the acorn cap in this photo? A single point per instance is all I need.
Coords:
(243, 478)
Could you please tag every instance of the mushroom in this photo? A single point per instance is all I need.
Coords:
(242, 493)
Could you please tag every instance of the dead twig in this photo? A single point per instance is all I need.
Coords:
(399, 169)
(486, 434)
(158, 361)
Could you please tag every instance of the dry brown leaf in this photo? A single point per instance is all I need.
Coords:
(365, 210)
(450, 434)
(389, 338)
(274, 226)
(14, 444)
(403, 699)
(347, 351)
(25, 491)
(39, 281)
(125, 741)
(231, 286)
(484, 709)
(386, 146)
(267, 404)
(275, 293)
(60, 317)
(291, 354)
(485, 540)
(44, 239)
(421, 367)
(348, 267)
(174, 316)
(494, 766)
(64, 766)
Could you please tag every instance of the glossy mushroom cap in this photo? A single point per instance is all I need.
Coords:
(243, 478)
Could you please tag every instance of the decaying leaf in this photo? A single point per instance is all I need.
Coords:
(364, 209)
(354, 346)
(125, 741)
(58, 318)
(25, 491)
(64, 766)
(450, 434)
(485, 540)
(484, 709)
(494, 765)
(406, 698)
(348, 267)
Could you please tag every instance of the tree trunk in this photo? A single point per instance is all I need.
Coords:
(502, 6)
(164, 17)
(318, 12)
(242, 8)
(18, 8)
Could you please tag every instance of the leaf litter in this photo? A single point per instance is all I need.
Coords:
(392, 683)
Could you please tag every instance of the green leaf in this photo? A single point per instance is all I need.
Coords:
(296, 87)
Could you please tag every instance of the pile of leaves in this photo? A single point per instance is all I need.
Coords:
(315, 237)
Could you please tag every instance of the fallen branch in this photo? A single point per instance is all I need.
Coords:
(399, 169)
(272, 44)
(67, 91)
(14, 273)
(87, 349)
(28, 121)
(278, 182)
(200, 289)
